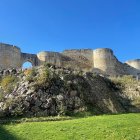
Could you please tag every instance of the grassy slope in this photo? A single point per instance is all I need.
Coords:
(112, 127)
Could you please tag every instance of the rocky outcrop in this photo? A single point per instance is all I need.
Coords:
(50, 90)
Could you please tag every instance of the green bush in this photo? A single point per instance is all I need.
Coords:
(30, 74)
(8, 83)
(124, 80)
(44, 76)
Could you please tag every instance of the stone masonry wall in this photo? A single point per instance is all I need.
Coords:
(9, 56)
(100, 60)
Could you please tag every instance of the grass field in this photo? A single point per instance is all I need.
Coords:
(107, 127)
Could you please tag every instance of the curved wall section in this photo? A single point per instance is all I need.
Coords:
(134, 63)
(49, 57)
(104, 60)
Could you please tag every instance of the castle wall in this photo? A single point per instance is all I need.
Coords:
(88, 53)
(80, 54)
(132, 67)
(104, 60)
(134, 63)
(83, 57)
(49, 57)
(9, 56)
(26, 57)
(99, 60)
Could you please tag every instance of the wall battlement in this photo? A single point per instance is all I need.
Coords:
(101, 60)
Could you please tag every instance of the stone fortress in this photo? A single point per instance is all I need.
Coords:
(99, 61)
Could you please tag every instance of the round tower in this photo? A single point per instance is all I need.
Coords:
(42, 56)
(9, 56)
(134, 63)
(49, 57)
(104, 60)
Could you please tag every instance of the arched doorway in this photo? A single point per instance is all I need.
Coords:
(27, 65)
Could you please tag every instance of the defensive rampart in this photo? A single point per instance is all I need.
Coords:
(100, 60)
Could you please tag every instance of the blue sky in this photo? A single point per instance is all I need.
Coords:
(55, 25)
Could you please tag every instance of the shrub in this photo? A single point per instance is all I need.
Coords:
(9, 102)
(8, 83)
(1, 95)
(30, 74)
(47, 65)
(124, 80)
(44, 76)
(17, 111)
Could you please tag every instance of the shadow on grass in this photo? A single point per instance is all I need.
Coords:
(5, 135)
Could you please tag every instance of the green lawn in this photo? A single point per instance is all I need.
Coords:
(110, 127)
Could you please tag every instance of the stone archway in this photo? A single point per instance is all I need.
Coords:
(27, 64)
(31, 58)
